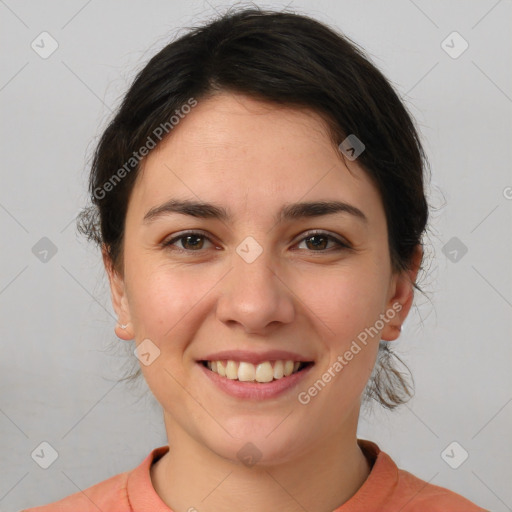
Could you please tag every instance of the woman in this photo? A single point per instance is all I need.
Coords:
(259, 201)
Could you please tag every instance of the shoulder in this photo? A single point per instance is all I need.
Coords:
(107, 496)
(388, 489)
(123, 492)
(421, 496)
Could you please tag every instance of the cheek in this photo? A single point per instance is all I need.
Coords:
(168, 307)
(346, 300)
(347, 304)
(164, 301)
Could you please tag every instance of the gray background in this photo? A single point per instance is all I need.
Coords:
(57, 376)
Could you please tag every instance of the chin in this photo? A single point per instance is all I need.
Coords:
(260, 442)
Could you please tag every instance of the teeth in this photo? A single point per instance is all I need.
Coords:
(288, 368)
(247, 372)
(231, 370)
(221, 369)
(264, 372)
(278, 370)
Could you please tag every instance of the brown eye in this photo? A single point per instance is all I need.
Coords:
(189, 241)
(192, 242)
(319, 241)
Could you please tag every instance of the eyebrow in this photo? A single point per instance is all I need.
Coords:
(289, 212)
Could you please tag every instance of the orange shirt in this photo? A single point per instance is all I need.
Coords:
(387, 489)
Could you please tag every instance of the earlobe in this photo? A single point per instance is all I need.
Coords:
(124, 331)
(401, 297)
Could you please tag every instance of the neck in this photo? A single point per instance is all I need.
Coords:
(192, 477)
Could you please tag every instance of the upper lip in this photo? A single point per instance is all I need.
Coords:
(255, 357)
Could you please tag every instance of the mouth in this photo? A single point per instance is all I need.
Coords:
(264, 372)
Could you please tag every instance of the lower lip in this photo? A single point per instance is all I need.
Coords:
(255, 390)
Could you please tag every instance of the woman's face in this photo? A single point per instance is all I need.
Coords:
(275, 279)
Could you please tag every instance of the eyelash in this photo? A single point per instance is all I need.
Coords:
(341, 244)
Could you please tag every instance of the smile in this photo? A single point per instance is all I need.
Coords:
(263, 372)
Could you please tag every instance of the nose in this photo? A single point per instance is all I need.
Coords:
(255, 297)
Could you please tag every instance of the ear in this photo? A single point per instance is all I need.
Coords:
(119, 298)
(401, 296)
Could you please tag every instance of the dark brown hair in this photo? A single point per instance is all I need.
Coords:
(282, 58)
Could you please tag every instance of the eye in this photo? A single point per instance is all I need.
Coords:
(194, 241)
(318, 240)
(191, 241)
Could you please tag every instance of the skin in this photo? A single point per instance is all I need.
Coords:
(252, 158)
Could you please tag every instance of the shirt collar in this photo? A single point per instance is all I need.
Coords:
(377, 487)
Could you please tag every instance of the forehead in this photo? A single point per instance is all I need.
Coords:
(252, 156)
